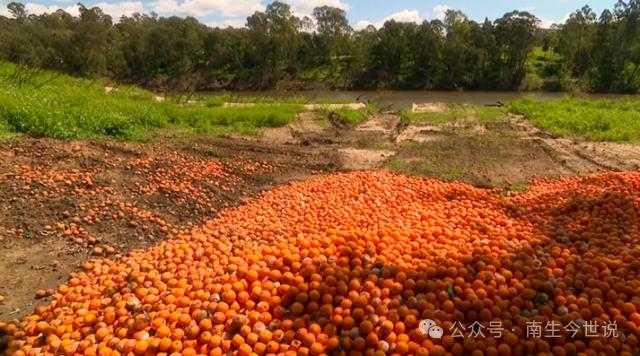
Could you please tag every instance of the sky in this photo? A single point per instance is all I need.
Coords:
(360, 12)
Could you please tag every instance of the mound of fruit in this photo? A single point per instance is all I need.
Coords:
(363, 263)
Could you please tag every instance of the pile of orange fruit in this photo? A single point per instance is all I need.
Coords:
(353, 263)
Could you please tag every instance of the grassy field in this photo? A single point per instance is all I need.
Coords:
(45, 104)
(598, 120)
(455, 112)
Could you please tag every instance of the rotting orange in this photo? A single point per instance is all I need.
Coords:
(353, 262)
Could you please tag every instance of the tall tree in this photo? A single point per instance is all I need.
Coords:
(606, 56)
(274, 34)
(577, 40)
(426, 49)
(391, 53)
(459, 55)
(514, 35)
(333, 32)
(276, 46)
(90, 39)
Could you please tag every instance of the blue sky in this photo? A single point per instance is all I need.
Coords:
(360, 12)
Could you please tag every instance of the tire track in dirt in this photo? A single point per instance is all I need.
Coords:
(575, 157)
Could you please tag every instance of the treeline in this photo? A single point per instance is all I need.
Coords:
(278, 49)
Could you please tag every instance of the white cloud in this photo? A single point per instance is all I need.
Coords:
(546, 23)
(402, 16)
(234, 22)
(39, 9)
(116, 10)
(226, 8)
(303, 8)
(405, 16)
(440, 11)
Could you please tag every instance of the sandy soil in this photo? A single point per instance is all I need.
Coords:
(62, 203)
(429, 107)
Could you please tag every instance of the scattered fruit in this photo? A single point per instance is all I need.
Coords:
(353, 262)
(41, 293)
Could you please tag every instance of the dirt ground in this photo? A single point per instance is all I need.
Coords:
(62, 203)
(507, 152)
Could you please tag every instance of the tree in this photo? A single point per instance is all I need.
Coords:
(514, 34)
(460, 57)
(606, 58)
(183, 54)
(577, 40)
(628, 14)
(90, 41)
(333, 31)
(18, 11)
(391, 53)
(426, 50)
(274, 35)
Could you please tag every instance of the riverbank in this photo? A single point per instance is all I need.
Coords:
(46, 104)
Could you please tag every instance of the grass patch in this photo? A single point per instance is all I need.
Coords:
(350, 116)
(451, 176)
(47, 104)
(219, 100)
(489, 114)
(452, 113)
(6, 136)
(398, 165)
(519, 187)
(457, 112)
(597, 120)
(355, 117)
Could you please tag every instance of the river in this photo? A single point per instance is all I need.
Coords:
(399, 100)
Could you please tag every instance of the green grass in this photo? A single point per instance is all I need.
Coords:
(46, 104)
(519, 187)
(451, 176)
(355, 117)
(456, 112)
(349, 116)
(397, 165)
(488, 114)
(597, 120)
(219, 100)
